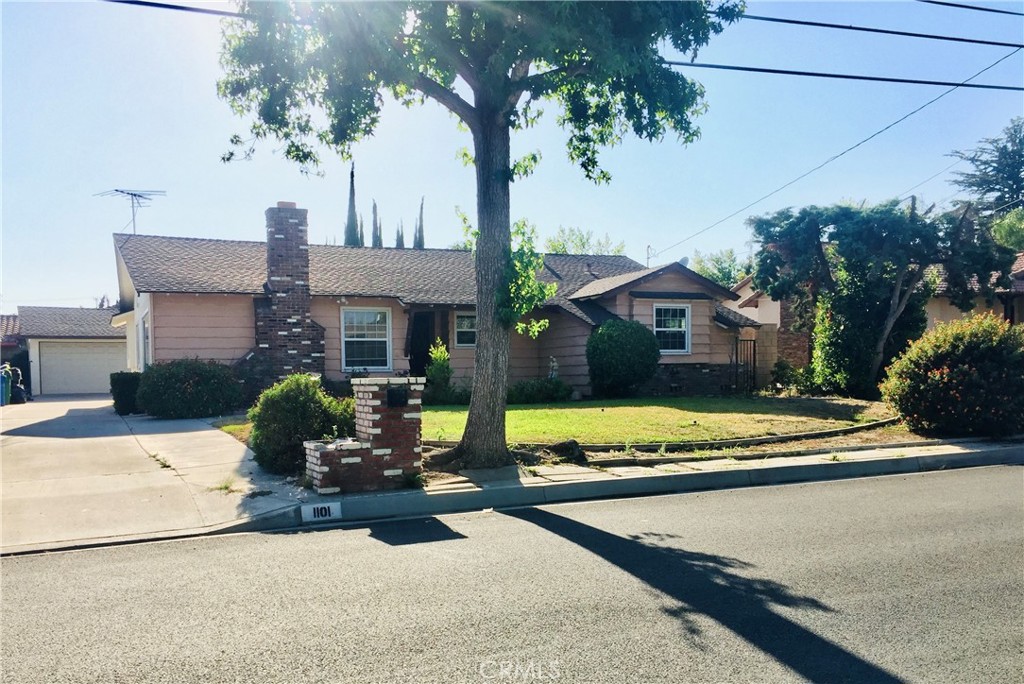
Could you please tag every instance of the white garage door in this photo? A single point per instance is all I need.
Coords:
(79, 367)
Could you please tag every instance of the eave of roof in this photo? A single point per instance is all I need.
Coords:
(607, 286)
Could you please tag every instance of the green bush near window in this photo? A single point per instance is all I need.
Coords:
(965, 377)
(622, 356)
(291, 412)
(188, 388)
(124, 388)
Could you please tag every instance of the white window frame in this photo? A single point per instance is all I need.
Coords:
(456, 329)
(686, 329)
(344, 362)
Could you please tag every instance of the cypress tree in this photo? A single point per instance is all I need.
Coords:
(400, 237)
(417, 236)
(351, 226)
(362, 235)
(376, 234)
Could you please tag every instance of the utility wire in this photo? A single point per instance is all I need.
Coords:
(972, 7)
(890, 32)
(847, 77)
(906, 193)
(835, 157)
(180, 8)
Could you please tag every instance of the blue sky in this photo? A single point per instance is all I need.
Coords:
(99, 96)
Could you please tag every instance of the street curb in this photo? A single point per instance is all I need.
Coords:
(420, 503)
(368, 508)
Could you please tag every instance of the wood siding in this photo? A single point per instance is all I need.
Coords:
(566, 340)
(216, 327)
(327, 312)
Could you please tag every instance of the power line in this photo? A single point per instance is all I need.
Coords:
(834, 157)
(180, 8)
(906, 192)
(848, 77)
(972, 7)
(890, 32)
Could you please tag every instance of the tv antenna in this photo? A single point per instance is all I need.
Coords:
(137, 198)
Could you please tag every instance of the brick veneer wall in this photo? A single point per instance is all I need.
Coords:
(690, 379)
(386, 450)
(287, 339)
(793, 346)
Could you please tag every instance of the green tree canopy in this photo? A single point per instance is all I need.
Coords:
(723, 266)
(312, 74)
(579, 241)
(863, 268)
(997, 176)
(1008, 230)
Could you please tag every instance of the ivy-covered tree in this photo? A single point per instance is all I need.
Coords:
(997, 176)
(862, 271)
(311, 74)
(723, 266)
(578, 241)
(417, 235)
(352, 225)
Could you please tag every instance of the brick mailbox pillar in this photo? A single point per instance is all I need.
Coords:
(386, 450)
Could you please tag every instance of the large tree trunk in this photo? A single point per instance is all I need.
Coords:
(483, 444)
(897, 304)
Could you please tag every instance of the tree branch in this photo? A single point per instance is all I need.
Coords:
(525, 82)
(448, 99)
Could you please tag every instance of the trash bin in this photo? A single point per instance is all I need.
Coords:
(5, 385)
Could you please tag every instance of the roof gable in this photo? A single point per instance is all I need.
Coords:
(607, 286)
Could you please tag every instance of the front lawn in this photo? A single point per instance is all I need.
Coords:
(653, 421)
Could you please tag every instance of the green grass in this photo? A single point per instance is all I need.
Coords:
(238, 428)
(653, 421)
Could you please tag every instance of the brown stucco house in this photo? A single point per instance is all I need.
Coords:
(1008, 304)
(342, 310)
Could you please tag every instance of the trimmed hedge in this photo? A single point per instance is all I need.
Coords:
(188, 388)
(539, 391)
(291, 412)
(965, 377)
(124, 388)
(622, 356)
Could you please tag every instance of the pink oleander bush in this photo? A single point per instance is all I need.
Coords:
(965, 377)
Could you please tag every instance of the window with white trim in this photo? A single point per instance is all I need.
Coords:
(366, 339)
(672, 328)
(465, 330)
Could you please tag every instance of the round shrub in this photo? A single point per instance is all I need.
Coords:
(291, 412)
(962, 378)
(188, 388)
(622, 355)
(124, 388)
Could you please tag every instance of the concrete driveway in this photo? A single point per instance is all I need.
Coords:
(73, 472)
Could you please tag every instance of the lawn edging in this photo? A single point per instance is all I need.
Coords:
(706, 444)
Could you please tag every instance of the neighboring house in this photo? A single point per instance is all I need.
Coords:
(1009, 302)
(288, 306)
(777, 339)
(71, 351)
(10, 337)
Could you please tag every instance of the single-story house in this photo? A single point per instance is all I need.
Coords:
(71, 350)
(343, 310)
(1009, 302)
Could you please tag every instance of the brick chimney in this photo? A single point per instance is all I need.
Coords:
(286, 336)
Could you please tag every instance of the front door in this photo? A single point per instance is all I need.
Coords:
(419, 343)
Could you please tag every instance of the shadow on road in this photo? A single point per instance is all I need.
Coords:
(413, 532)
(76, 423)
(709, 585)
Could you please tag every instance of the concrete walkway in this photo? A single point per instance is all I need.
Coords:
(72, 472)
(75, 474)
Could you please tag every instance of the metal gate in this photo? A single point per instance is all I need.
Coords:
(746, 365)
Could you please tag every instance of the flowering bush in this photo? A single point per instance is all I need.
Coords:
(965, 377)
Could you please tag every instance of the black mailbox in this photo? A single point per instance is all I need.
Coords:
(398, 396)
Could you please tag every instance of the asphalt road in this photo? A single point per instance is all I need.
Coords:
(901, 578)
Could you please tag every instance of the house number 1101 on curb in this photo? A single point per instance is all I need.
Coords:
(321, 512)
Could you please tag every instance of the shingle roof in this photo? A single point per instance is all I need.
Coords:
(428, 276)
(732, 319)
(9, 325)
(1016, 275)
(54, 321)
(606, 285)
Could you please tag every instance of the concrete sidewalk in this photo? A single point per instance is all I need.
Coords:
(75, 475)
